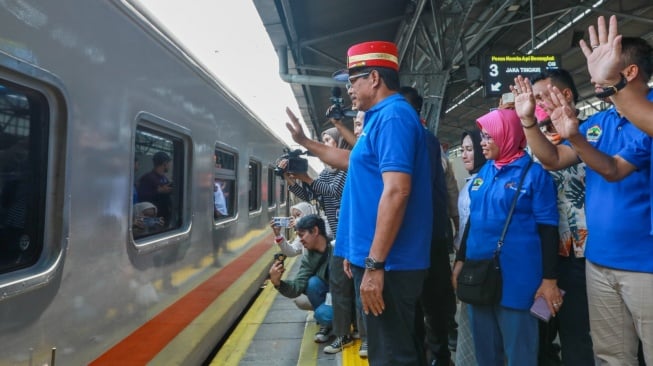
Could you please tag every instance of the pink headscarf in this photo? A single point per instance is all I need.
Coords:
(540, 114)
(505, 128)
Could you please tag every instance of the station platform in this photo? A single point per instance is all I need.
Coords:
(275, 332)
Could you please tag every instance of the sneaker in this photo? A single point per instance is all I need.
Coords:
(355, 335)
(453, 340)
(363, 350)
(339, 344)
(322, 335)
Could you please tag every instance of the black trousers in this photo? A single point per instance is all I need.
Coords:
(391, 336)
(436, 311)
(343, 298)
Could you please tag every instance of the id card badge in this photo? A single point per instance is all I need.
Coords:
(327, 301)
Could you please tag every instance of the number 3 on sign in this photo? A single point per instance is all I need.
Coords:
(494, 70)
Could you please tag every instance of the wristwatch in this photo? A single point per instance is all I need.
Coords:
(373, 265)
(613, 89)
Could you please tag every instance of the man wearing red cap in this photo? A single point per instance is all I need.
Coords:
(386, 213)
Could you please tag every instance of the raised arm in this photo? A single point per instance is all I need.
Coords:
(346, 133)
(337, 158)
(552, 157)
(605, 62)
(611, 168)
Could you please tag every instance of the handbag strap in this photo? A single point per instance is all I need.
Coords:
(512, 208)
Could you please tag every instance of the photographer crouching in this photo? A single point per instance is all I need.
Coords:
(312, 278)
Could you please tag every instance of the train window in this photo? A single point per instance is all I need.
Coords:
(23, 166)
(224, 185)
(272, 187)
(158, 200)
(282, 191)
(254, 185)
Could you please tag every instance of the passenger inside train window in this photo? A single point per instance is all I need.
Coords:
(225, 178)
(254, 195)
(156, 187)
(161, 163)
(23, 163)
(146, 220)
(219, 202)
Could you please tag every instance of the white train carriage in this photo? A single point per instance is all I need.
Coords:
(90, 91)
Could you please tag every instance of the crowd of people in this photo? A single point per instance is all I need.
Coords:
(562, 205)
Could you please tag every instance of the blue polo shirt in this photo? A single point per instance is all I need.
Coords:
(491, 193)
(393, 140)
(619, 213)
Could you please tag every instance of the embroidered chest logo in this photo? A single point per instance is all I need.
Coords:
(511, 186)
(476, 184)
(593, 133)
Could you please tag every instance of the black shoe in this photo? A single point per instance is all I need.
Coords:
(453, 341)
(442, 363)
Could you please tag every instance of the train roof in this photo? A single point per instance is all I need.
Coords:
(160, 32)
(438, 40)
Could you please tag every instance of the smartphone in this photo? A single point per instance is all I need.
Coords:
(281, 221)
(280, 257)
(541, 310)
(507, 98)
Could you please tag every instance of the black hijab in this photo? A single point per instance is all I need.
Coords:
(479, 158)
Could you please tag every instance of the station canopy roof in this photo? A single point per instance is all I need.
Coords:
(445, 48)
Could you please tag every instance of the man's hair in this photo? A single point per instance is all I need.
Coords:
(560, 78)
(637, 51)
(412, 96)
(308, 222)
(160, 158)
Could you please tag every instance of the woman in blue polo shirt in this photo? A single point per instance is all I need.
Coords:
(507, 331)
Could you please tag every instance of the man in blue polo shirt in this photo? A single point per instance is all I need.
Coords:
(618, 209)
(385, 212)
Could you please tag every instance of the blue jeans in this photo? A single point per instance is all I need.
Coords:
(316, 291)
(500, 333)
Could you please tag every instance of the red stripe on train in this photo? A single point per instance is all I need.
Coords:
(147, 341)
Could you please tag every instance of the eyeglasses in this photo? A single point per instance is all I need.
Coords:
(485, 136)
(353, 78)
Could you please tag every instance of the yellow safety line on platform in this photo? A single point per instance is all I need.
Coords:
(233, 350)
(350, 356)
(309, 349)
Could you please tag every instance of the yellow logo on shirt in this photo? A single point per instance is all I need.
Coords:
(477, 183)
(593, 133)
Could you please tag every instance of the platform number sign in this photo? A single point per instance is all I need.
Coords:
(501, 70)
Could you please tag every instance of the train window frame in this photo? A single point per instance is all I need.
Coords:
(54, 192)
(254, 194)
(227, 173)
(272, 188)
(282, 193)
(182, 162)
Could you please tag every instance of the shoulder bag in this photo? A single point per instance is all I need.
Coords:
(480, 281)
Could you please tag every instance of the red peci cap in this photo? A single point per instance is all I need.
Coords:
(375, 53)
(370, 54)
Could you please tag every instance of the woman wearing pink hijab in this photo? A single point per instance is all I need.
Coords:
(507, 331)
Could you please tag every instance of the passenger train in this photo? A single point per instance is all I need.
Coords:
(90, 92)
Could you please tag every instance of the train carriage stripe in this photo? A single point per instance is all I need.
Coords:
(148, 340)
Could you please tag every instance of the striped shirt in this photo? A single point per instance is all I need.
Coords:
(329, 185)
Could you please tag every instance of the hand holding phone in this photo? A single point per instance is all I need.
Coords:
(540, 308)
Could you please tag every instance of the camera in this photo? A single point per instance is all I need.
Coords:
(336, 111)
(280, 257)
(296, 164)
